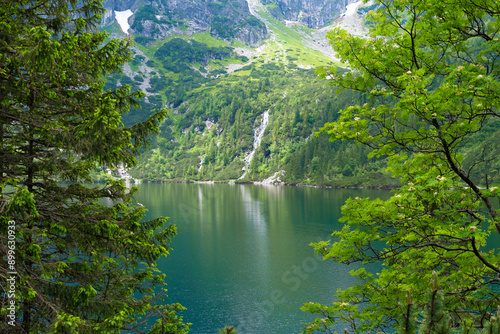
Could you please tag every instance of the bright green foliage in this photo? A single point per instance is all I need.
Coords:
(430, 69)
(82, 266)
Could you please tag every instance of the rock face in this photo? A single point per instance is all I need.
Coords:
(121, 5)
(312, 13)
(159, 19)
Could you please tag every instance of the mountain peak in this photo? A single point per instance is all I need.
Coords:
(229, 20)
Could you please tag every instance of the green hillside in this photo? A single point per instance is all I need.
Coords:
(217, 96)
(213, 113)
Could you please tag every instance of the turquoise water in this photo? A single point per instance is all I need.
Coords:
(242, 254)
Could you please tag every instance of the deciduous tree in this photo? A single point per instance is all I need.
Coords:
(431, 72)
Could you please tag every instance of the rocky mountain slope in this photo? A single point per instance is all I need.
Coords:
(160, 19)
(312, 13)
(229, 20)
(239, 81)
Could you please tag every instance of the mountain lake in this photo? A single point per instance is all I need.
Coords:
(242, 255)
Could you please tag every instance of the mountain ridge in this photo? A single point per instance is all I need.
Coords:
(157, 19)
(314, 14)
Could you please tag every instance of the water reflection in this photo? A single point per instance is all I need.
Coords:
(242, 253)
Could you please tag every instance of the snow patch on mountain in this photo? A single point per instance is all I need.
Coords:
(350, 21)
(351, 8)
(122, 19)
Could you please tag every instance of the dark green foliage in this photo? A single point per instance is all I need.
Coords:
(146, 41)
(143, 111)
(221, 27)
(85, 261)
(149, 13)
(178, 50)
(137, 60)
(178, 56)
(146, 13)
(216, 7)
(246, 68)
(435, 319)
(432, 317)
(158, 83)
(254, 22)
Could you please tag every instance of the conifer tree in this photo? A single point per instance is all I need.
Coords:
(78, 264)
(436, 319)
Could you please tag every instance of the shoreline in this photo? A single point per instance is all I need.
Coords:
(281, 184)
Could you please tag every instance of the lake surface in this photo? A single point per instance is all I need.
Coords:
(242, 256)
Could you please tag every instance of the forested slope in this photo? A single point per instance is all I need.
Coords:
(217, 92)
(216, 126)
(212, 122)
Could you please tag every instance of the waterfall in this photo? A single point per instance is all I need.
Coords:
(258, 134)
(201, 164)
